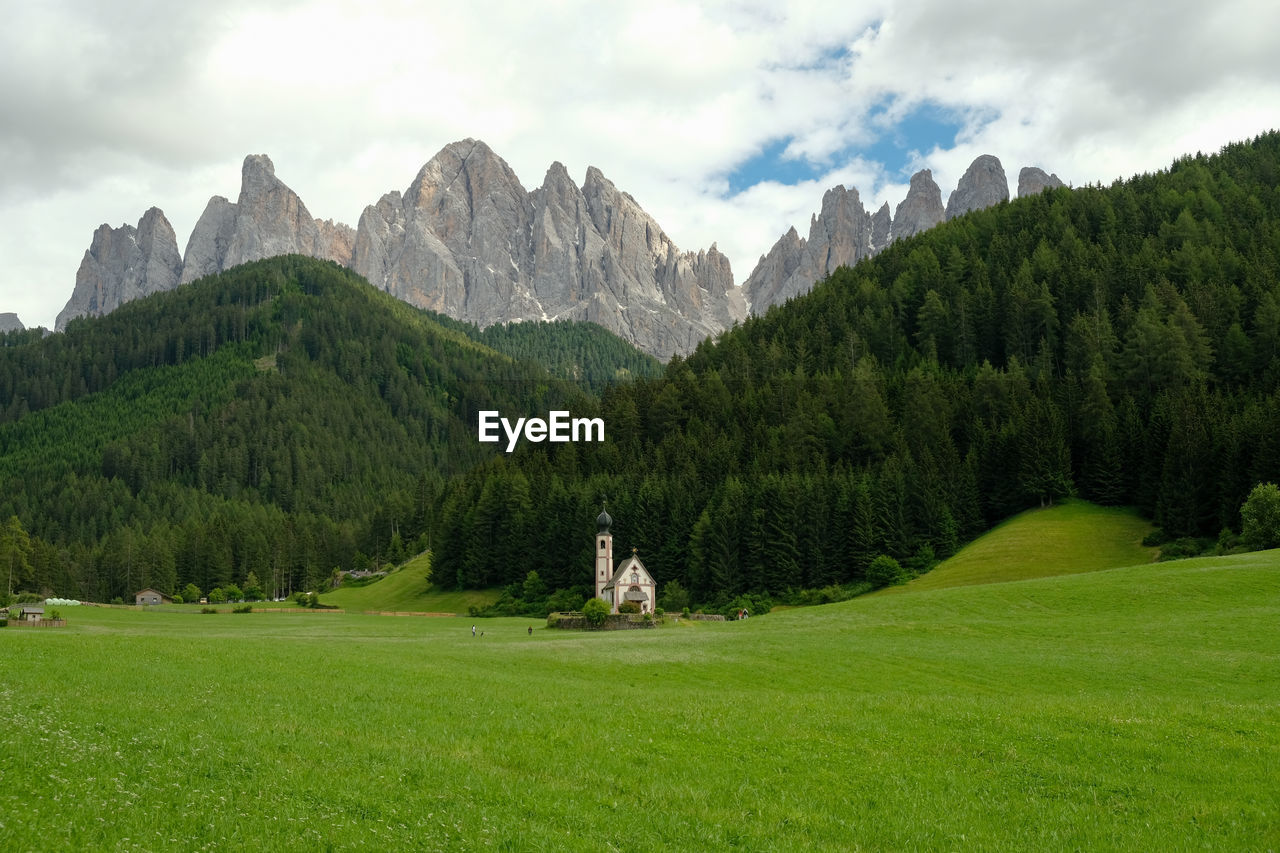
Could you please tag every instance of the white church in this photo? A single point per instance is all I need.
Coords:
(630, 581)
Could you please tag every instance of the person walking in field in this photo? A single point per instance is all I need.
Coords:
(473, 630)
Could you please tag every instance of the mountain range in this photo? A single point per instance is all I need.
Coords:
(466, 239)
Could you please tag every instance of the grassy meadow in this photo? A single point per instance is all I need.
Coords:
(408, 589)
(1069, 537)
(1137, 708)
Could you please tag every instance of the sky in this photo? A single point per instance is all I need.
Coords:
(725, 120)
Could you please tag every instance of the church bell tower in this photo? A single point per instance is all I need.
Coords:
(604, 553)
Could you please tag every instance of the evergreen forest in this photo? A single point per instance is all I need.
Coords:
(1117, 343)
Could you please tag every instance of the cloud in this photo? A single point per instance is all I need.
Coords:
(110, 109)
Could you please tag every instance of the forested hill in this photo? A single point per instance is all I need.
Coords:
(584, 353)
(281, 418)
(1119, 343)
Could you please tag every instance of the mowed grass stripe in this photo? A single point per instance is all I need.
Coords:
(1135, 708)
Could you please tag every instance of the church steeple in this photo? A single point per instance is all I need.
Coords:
(604, 554)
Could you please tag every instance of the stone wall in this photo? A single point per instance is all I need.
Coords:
(612, 622)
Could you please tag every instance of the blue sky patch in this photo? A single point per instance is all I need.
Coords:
(920, 130)
(771, 165)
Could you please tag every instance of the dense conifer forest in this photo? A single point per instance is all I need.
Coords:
(1117, 342)
(283, 418)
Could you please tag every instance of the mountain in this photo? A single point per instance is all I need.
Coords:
(122, 264)
(982, 185)
(279, 417)
(843, 233)
(1120, 344)
(267, 219)
(465, 239)
(1033, 180)
(10, 323)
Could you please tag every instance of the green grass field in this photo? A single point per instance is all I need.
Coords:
(1073, 536)
(1137, 709)
(408, 589)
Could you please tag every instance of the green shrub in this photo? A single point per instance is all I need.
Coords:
(553, 619)
(885, 571)
(1260, 517)
(628, 607)
(595, 612)
(117, 600)
(177, 599)
(674, 596)
(1154, 539)
(566, 601)
(217, 596)
(244, 608)
(208, 610)
(53, 613)
(1184, 547)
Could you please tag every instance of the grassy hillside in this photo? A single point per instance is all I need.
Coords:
(1128, 709)
(408, 589)
(1074, 536)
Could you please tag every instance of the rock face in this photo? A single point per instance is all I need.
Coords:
(122, 264)
(982, 185)
(842, 234)
(468, 240)
(1033, 180)
(267, 219)
(921, 209)
(10, 323)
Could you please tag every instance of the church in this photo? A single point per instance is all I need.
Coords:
(630, 581)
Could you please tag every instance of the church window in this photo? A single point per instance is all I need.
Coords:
(635, 577)
(601, 544)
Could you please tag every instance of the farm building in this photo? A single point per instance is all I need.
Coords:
(32, 614)
(151, 596)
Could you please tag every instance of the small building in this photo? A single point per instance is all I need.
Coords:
(630, 581)
(151, 596)
(32, 614)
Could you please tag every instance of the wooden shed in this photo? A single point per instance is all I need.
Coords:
(151, 596)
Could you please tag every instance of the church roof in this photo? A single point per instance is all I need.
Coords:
(603, 521)
(632, 562)
(634, 594)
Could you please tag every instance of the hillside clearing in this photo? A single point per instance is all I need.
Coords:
(1071, 537)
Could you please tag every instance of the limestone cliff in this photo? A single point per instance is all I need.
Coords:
(468, 240)
(267, 219)
(122, 264)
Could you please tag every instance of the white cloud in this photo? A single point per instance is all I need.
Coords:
(112, 109)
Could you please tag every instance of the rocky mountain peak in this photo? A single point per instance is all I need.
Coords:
(267, 219)
(982, 185)
(921, 209)
(122, 264)
(9, 322)
(1032, 180)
